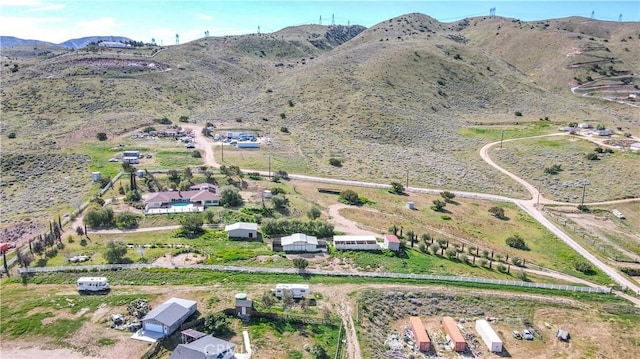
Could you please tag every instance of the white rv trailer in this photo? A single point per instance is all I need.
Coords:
(92, 284)
(297, 290)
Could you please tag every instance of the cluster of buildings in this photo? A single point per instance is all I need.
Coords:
(454, 336)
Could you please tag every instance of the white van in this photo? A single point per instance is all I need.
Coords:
(92, 284)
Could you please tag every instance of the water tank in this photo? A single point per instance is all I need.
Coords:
(95, 176)
(140, 173)
(241, 296)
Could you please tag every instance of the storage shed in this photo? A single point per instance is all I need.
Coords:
(454, 334)
(367, 243)
(489, 336)
(391, 242)
(243, 305)
(420, 334)
(242, 230)
(300, 242)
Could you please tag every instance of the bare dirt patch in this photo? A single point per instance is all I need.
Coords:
(180, 259)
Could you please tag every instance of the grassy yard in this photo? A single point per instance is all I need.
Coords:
(610, 177)
(494, 133)
(53, 316)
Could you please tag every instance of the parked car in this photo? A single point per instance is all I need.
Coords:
(527, 334)
(149, 156)
(190, 145)
(113, 160)
(516, 334)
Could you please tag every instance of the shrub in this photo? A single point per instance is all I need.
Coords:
(196, 154)
(11, 135)
(163, 121)
(184, 119)
(517, 242)
(598, 150)
(438, 205)
(445, 217)
(101, 136)
(584, 267)
(592, 157)
(497, 212)
(300, 263)
(583, 208)
(277, 190)
(284, 129)
(126, 220)
(349, 196)
(396, 188)
(336, 162)
(518, 114)
(553, 170)
(314, 212)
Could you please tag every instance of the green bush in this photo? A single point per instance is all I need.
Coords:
(517, 242)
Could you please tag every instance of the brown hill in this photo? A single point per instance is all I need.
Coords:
(388, 99)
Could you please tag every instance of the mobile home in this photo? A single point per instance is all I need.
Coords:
(92, 284)
(297, 290)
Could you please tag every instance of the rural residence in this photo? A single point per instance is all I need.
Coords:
(299, 242)
(196, 199)
(166, 318)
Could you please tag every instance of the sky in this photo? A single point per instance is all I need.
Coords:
(143, 20)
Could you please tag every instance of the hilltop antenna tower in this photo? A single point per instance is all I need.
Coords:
(258, 29)
(320, 19)
(206, 33)
(620, 17)
(593, 12)
(177, 39)
(333, 20)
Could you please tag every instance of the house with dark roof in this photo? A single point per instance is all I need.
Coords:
(196, 199)
(167, 317)
(204, 348)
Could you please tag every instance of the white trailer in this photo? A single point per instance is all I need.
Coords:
(489, 336)
(297, 290)
(92, 284)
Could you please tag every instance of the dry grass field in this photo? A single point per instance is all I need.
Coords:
(612, 176)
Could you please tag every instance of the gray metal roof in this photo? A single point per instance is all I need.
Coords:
(167, 313)
(206, 346)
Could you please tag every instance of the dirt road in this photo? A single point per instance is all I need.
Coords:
(205, 144)
(346, 225)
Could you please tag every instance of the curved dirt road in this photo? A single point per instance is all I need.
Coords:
(529, 206)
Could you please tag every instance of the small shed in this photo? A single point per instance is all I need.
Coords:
(243, 305)
(95, 176)
(420, 334)
(563, 335)
(392, 242)
(242, 230)
(267, 194)
(454, 334)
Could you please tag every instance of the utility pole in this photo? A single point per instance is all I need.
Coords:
(539, 186)
(584, 188)
(222, 148)
(269, 165)
(407, 179)
(501, 139)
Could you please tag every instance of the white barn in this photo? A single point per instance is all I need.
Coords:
(242, 230)
(489, 336)
(365, 243)
(391, 242)
(299, 242)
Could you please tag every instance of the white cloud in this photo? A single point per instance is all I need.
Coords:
(204, 17)
(52, 7)
(21, 3)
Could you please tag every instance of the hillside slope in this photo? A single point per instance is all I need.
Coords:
(390, 101)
